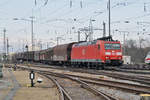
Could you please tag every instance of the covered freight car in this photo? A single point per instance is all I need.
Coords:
(45, 56)
(36, 56)
(49, 55)
(20, 56)
(62, 54)
(42, 56)
(28, 56)
(24, 56)
(14, 58)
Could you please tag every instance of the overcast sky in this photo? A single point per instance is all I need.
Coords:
(56, 19)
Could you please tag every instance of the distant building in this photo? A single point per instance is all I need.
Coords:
(36, 48)
(127, 59)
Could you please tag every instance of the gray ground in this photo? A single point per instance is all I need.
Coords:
(8, 85)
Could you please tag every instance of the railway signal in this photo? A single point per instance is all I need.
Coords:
(32, 77)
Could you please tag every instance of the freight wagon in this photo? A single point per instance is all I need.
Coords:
(62, 54)
(49, 55)
(37, 56)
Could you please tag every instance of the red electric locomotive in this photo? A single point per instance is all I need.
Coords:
(103, 51)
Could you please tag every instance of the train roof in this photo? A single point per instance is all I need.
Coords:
(84, 43)
(108, 38)
(64, 45)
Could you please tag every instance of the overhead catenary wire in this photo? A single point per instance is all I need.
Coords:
(79, 13)
(68, 12)
(45, 3)
(113, 6)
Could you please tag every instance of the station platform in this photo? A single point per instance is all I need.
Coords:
(15, 85)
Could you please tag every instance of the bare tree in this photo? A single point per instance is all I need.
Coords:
(137, 52)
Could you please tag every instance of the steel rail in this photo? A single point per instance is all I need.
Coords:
(83, 84)
(86, 86)
(63, 94)
(105, 82)
(138, 78)
(121, 85)
(131, 71)
(95, 91)
(126, 77)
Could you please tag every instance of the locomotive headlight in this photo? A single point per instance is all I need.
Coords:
(119, 53)
(107, 57)
(119, 57)
(107, 53)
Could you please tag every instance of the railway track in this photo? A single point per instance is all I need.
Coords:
(114, 68)
(136, 67)
(137, 71)
(64, 95)
(123, 68)
(131, 77)
(114, 74)
(119, 85)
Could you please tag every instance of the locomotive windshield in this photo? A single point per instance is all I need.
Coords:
(112, 46)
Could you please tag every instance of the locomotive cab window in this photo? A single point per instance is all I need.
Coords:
(112, 46)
